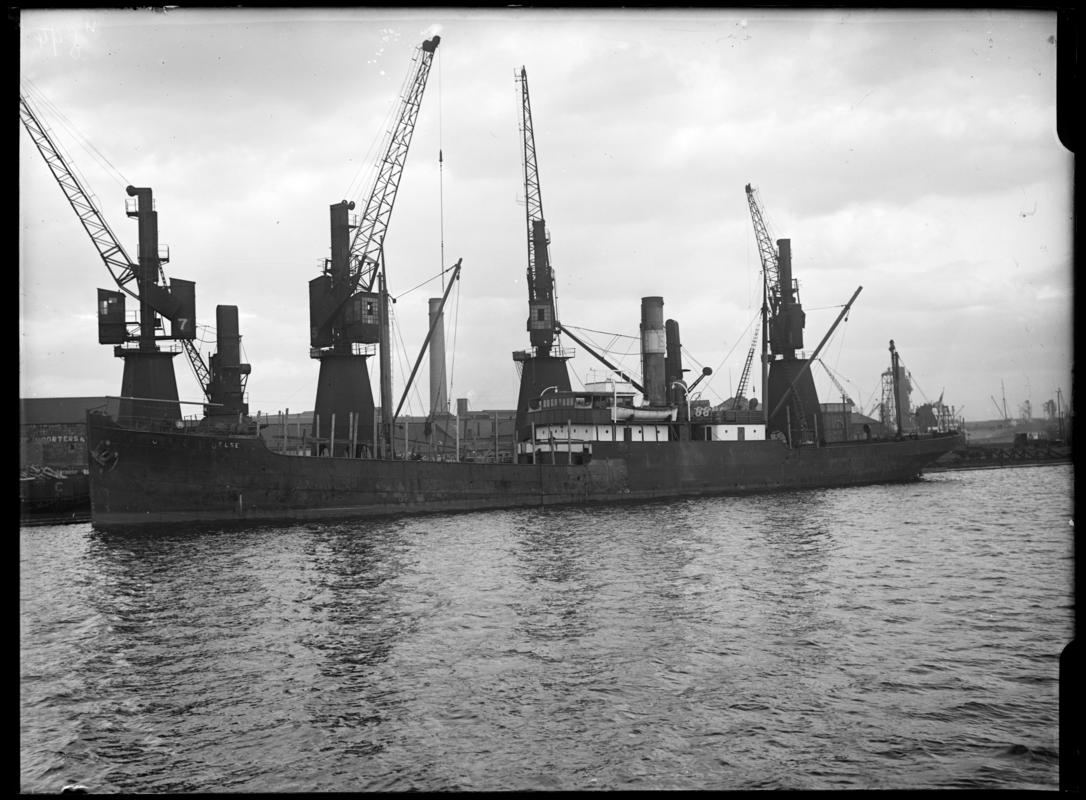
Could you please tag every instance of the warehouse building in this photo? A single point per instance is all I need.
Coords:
(52, 430)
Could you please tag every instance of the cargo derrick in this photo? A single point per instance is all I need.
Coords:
(148, 385)
(346, 315)
(787, 384)
(543, 366)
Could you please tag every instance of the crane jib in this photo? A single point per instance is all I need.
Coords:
(369, 237)
(176, 303)
(542, 312)
(366, 250)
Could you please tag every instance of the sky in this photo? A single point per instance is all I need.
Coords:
(913, 153)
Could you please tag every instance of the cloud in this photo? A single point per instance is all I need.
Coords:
(897, 150)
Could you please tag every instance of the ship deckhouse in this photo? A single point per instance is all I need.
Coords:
(566, 424)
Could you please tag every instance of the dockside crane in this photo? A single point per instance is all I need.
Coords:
(767, 252)
(847, 403)
(344, 309)
(845, 399)
(744, 377)
(148, 386)
(542, 310)
(544, 365)
(787, 385)
(786, 318)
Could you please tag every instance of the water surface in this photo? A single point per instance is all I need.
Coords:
(900, 636)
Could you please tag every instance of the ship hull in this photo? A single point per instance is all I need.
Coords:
(148, 478)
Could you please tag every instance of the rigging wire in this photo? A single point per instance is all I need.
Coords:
(401, 355)
(912, 380)
(428, 280)
(206, 334)
(113, 173)
(578, 376)
(43, 102)
(602, 333)
(609, 349)
(441, 219)
(441, 172)
(365, 175)
(707, 385)
(841, 343)
(716, 371)
(455, 329)
(827, 308)
(840, 340)
(554, 283)
(841, 378)
(871, 402)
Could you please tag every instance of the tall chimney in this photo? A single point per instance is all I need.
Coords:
(439, 401)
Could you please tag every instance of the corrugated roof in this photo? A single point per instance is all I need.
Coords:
(60, 410)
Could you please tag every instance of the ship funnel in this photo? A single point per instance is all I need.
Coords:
(653, 351)
(439, 401)
(673, 364)
(226, 389)
(228, 336)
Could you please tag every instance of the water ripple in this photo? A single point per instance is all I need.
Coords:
(886, 637)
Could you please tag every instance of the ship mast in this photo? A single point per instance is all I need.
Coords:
(435, 323)
(386, 445)
(895, 366)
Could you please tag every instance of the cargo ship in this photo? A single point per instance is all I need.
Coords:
(149, 467)
(573, 446)
(585, 447)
